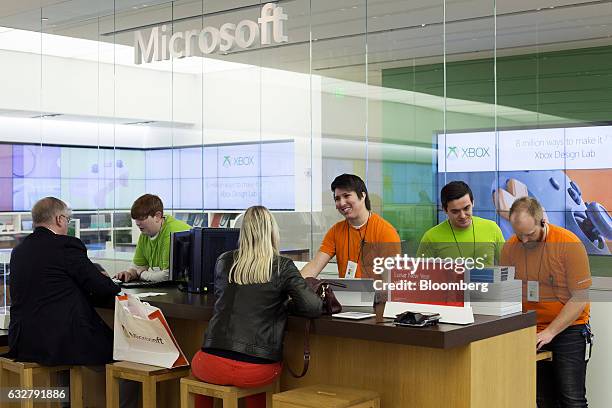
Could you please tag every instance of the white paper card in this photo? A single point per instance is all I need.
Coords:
(353, 315)
(533, 291)
(351, 270)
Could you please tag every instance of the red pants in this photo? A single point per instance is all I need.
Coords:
(223, 371)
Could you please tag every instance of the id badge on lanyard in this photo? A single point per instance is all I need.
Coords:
(588, 338)
(351, 270)
(533, 291)
(533, 286)
(351, 266)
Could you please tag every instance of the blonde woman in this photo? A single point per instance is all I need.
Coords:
(254, 287)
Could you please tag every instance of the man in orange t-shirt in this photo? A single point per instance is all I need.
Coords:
(553, 265)
(356, 237)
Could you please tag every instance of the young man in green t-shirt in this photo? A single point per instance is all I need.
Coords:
(152, 257)
(463, 235)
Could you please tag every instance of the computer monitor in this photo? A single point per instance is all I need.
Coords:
(207, 245)
(180, 255)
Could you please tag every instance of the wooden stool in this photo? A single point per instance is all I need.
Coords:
(327, 396)
(148, 375)
(26, 372)
(191, 386)
(544, 355)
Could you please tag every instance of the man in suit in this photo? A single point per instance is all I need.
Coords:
(54, 288)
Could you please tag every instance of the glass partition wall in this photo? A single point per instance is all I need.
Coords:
(219, 105)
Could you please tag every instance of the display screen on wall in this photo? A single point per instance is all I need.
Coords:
(566, 169)
(211, 177)
(224, 177)
(6, 177)
(94, 178)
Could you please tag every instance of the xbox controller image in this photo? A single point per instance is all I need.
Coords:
(563, 203)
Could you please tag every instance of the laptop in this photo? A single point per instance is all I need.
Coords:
(358, 292)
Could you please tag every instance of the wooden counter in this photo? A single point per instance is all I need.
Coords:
(490, 363)
(180, 305)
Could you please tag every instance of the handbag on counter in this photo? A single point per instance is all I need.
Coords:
(323, 289)
(330, 306)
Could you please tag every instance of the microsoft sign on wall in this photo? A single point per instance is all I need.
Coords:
(162, 45)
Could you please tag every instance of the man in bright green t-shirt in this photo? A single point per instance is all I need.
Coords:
(152, 257)
(462, 235)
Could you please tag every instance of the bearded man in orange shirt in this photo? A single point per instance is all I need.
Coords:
(554, 267)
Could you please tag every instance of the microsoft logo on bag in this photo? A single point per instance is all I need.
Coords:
(128, 333)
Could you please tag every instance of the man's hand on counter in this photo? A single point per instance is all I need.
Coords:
(126, 276)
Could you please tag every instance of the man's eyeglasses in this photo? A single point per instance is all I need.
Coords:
(68, 218)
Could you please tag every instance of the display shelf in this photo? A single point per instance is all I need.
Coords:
(97, 229)
(105, 228)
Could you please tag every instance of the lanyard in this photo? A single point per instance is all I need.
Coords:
(362, 240)
(457, 243)
(541, 257)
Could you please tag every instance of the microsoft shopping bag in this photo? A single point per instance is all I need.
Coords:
(142, 335)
